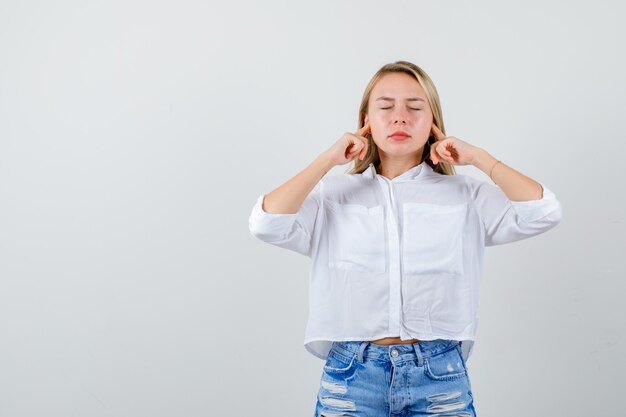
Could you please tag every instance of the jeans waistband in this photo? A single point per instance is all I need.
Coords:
(407, 351)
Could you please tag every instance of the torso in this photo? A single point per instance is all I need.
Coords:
(393, 341)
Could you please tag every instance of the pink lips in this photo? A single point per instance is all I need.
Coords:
(399, 135)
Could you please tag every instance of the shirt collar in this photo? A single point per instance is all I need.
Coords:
(412, 173)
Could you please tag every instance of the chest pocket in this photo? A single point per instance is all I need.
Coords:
(356, 237)
(432, 241)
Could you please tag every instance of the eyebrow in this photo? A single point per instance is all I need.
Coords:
(408, 99)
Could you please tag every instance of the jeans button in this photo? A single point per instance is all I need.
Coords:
(394, 353)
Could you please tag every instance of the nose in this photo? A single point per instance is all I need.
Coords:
(399, 117)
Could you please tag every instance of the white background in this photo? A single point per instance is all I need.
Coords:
(135, 137)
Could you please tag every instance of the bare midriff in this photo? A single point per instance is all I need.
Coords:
(393, 341)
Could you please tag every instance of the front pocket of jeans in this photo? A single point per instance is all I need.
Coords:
(445, 365)
(356, 236)
(432, 239)
(337, 363)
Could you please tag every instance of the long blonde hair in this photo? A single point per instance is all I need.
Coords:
(433, 99)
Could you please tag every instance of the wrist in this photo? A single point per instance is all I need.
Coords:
(483, 160)
(325, 161)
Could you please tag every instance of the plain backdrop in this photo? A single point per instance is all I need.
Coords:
(135, 137)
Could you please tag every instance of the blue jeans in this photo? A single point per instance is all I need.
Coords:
(363, 379)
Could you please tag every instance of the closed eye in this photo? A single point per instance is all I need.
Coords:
(386, 108)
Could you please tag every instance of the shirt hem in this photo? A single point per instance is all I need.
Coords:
(329, 340)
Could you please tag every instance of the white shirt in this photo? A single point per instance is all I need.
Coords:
(400, 257)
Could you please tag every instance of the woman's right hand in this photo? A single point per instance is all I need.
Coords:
(349, 146)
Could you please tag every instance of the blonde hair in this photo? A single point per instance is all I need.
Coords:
(433, 99)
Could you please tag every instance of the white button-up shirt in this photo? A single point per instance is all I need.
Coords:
(400, 257)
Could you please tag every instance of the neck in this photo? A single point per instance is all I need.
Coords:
(391, 167)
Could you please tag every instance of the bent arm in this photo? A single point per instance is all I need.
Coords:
(516, 186)
(287, 216)
(516, 207)
(288, 198)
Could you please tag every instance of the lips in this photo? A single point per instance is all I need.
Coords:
(399, 134)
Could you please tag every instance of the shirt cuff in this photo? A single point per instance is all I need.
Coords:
(534, 210)
(270, 224)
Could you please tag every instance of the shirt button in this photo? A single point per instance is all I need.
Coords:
(394, 353)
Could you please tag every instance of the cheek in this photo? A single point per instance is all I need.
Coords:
(378, 119)
(428, 118)
(378, 125)
(423, 123)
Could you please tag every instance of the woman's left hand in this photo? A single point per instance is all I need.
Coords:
(451, 150)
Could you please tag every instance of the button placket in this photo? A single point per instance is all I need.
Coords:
(395, 297)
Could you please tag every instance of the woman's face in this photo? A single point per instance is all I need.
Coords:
(398, 103)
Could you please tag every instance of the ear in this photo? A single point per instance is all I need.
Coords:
(366, 119)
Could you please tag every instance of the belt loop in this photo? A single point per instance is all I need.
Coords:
(361, 349)
(418, 353)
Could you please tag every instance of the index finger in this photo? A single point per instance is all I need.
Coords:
(438, 133)
(362, 131)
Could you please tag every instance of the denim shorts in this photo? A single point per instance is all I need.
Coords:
(363, 379)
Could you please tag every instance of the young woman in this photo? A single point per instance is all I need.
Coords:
(397, 248)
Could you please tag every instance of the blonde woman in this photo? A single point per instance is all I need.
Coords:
(397, 250)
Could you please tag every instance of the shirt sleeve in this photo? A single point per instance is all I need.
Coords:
(508, 221)
(291, 231)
